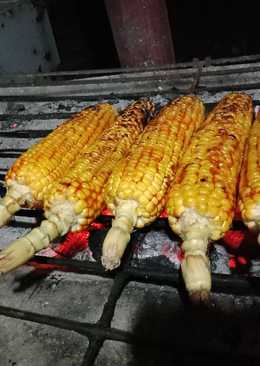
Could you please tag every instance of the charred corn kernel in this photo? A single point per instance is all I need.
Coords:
(249, 185)
(136, 190)
(36, 169)
(66, 208)
(220, 140)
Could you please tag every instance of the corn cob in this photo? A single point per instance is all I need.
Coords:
(73, 202)
(136, 190)
(202, 199)
(249, 185)
(35, 170)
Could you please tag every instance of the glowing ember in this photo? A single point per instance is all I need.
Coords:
(234, 238)
(97, 226)
(242, 260)
(156, 244)
(238, 263)
(232, 263)
(106, 212)
(164, 214)
(74, 243)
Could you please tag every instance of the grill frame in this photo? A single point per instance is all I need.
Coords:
(96, 85)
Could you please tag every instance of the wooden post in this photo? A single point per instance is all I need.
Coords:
(141, 32)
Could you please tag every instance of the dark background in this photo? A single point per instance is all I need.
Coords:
(200, 29)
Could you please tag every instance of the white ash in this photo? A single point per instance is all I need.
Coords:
(219, 259)
(255, 267)
(9, 234)
(67, 106)
(159, 100)
(158, 244)
(84, 255)
(120, 104)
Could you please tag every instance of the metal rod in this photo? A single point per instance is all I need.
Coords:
(86, 329)
(105, 320)
(232, 284)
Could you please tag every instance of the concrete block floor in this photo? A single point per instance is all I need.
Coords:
(172, 332)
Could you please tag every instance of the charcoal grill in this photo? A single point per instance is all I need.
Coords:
(31, 106)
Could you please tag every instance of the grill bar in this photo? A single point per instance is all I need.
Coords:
(235, 284)
(86, 329)
(97, 334)
(212, 78)
(106, 318)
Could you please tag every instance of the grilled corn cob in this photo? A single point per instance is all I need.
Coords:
(34, 171)
(201, 200)
(75, 201)
(136, 190)
(249, 185)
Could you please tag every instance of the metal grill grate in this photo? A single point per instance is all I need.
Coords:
(31, 106)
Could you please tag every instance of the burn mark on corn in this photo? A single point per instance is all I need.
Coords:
(233, 137)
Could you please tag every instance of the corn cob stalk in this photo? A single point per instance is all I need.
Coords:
(202, 199)
(136, 190)
(249, 185)
(34, 171)
(75, 201)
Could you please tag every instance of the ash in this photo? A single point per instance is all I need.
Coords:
(121, 103)
(10, 234)
(255, 267)
(219, 259)
(157, 247)
(161, 249)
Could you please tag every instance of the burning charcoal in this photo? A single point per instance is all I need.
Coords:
(219, 259)
(47, 252)
(156, 247)
(234, 238)
(239, 264)
(75, 242)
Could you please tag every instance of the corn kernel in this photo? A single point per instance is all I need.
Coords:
(84, 183)
(49, 159)
(145, 175)
(212, 165)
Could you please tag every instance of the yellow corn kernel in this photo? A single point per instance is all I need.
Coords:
(138, 197)
(228, 127)
(84, 182)
(37, 168)
(151, 164)
(249, 185)
(67, 211)
(212, 163)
